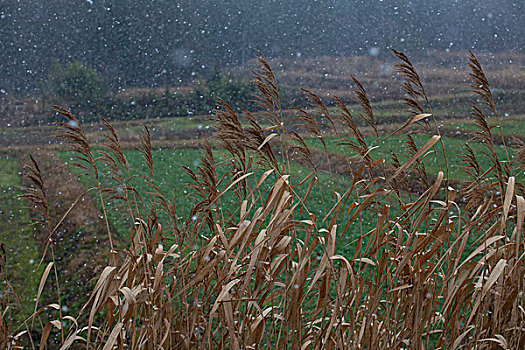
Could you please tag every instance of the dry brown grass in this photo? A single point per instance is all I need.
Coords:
(433, 273)
(442, 72)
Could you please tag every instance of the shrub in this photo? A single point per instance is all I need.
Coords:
(76, 85)
(201, 100)
(238, 92)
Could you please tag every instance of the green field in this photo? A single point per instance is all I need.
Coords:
(21, 248)
(510, 125)
(454, 148)
(172, 180)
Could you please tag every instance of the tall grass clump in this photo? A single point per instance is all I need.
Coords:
(437, 264)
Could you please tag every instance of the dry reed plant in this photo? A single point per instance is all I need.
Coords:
(441, 269)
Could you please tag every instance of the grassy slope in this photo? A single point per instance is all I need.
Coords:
(15, 234)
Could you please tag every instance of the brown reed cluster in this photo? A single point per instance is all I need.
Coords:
(442, 267)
